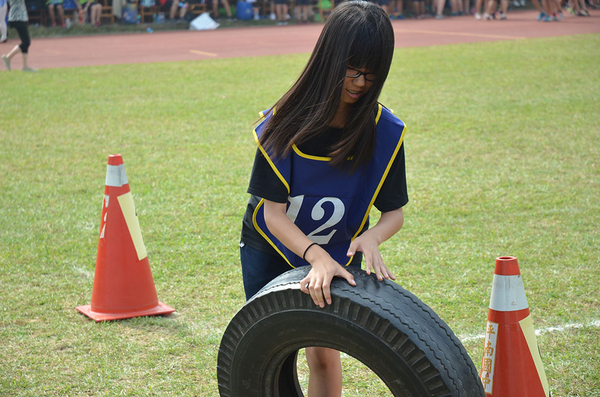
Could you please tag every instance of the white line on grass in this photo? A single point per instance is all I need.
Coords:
(538, 332)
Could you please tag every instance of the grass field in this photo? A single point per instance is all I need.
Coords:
(503, 158)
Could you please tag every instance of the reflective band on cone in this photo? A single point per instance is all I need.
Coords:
(511, 365)
(123, 283)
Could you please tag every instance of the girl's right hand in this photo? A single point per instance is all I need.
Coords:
(318, 281)
(324, 268)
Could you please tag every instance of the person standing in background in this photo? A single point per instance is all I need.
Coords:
(396, 9)
(215, 9)
(438, 6)
(56, 7)
(418, 8)
(302, 10)
(491, 10)
(18, 19)
(478, 7)
(281, 9)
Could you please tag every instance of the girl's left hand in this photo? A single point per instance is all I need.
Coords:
(370, 248)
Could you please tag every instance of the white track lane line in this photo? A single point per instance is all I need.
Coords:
(538, 332)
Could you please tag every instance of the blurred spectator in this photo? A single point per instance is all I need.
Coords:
(455, 7)
(383, 4)
(79, 4)
(281, 9)
(396, 9)
(419, 8)
(94, 10)
(170, 7)
(478, 7)
(552, 11)
(215, 9)
(581, 8)
(18, 19)
(491, 11)
(3, 29)
(302, 10)
(273, 16)
(255, 9)
(56, 6)
(182, 6)
(438, 8)
(538, 7)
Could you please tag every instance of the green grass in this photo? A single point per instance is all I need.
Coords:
(502, 158)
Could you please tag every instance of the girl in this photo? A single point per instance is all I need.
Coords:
(328, 151)
(17, 18)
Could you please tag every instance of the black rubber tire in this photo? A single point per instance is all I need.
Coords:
(379, 323)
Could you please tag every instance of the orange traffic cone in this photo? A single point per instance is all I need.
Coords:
(511, 364)
(123, 284)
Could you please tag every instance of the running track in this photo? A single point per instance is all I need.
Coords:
(273, 40)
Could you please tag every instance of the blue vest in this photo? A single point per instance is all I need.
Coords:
(330, 207)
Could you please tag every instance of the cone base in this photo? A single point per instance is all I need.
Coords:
(160, 309)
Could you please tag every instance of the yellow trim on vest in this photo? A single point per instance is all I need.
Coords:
(264, 152)
(308, 156)
(387, 170)
(362, 225)
(321, 158)
(263, 113)
(260, 204)
(295, 148)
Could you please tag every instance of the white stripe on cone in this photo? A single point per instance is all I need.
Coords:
(508, 294)
(115, 175)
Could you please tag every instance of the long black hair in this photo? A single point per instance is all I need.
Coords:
(357, 34)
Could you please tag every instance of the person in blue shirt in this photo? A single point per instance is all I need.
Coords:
(327, 152)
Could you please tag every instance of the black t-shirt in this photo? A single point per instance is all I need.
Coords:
(264, 183)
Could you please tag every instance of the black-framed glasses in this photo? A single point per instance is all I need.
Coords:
(354, 74)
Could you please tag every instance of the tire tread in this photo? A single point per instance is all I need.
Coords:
(385, 310)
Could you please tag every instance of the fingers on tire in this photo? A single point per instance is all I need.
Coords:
(378, 322)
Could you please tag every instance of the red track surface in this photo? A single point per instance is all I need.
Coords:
(257, 41)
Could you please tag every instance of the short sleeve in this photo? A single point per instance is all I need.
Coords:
(393, 193)
(264, 182)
